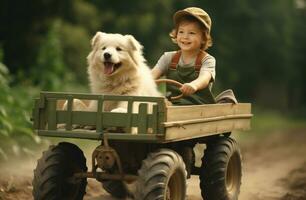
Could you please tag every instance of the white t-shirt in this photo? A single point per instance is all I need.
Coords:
(208, 63)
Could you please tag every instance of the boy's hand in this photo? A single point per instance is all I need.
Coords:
(188, 89)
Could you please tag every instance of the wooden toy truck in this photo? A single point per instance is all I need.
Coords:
(158, 158)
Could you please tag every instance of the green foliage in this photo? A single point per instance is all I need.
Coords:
(266, 121)
(15, 126)
(75, 52)
(50, 69)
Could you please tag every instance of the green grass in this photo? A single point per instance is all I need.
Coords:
(265, 121)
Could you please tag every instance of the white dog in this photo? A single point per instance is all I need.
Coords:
(116, 66)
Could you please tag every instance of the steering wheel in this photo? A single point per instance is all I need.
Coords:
(172, 82)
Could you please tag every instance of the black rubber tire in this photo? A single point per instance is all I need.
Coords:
(54, 167)
(117, 189)
(221, 170)
(188, 156)
(162, 177)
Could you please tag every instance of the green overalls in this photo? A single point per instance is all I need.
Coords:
(186, 75)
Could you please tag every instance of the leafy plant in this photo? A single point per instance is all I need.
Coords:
(50, 69)
(16, 135)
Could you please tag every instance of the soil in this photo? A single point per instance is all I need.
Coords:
(274, 167)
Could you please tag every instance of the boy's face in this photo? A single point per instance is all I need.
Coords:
(189, 36)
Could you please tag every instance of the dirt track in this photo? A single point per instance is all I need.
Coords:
(274, 168)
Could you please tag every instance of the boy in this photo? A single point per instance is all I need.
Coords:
(191, 65)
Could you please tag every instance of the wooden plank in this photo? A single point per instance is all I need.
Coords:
(71, 134)
(92, 135)
(35, 114)
(86, 96)
(99, 121)
(154, 122)
(143, 118)
(130, 112)
(51, 106)
(190, 131)
(69, 113)
(177, 113)
(207, 119)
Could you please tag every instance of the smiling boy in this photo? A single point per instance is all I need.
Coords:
(191, 64)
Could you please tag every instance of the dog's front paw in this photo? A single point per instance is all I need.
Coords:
(61, 126)
(90, 127)
(119, 110)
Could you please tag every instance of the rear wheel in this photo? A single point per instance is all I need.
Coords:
(54, 171)
(162, 177)
(221, 170)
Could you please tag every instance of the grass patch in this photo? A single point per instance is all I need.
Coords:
(266, 122)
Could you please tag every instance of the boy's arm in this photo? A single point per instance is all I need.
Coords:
(200, 83)
(156, 73)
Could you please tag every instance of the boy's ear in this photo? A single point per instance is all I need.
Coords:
(135, 45)
(95, 40)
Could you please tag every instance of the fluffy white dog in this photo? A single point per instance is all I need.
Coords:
(116, 66)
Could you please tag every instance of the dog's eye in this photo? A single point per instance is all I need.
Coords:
(103, 48)
(118, 49)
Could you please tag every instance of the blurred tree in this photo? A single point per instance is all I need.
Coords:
(252, 45)
(75, 33)
(50, 71)
(297, 81)
(15, 126)
(23, 27)
(149, 22)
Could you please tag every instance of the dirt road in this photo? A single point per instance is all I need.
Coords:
(274, 168)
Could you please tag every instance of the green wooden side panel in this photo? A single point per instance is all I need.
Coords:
(47, 119)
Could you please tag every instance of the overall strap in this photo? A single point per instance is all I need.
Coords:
(175, 59)
(198, 62)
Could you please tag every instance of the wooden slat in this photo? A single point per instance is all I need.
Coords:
(189, 131)
(51, 106)
(143, 118)
(69, 113)
(35, 114)
(207, 119)
(42, 116)
(99, 121)
(154, 121)
(177, 113)
(83, 134)
(86, 96)
(129, 117)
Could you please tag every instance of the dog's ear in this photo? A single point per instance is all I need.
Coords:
(96, 39)
(136, 46)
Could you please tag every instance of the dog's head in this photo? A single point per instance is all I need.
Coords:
(115, 53)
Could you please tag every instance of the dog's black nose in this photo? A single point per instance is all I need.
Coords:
(107, 56)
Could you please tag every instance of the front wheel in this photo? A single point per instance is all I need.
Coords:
(54, 171)
(162, 177)
(221, 170)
